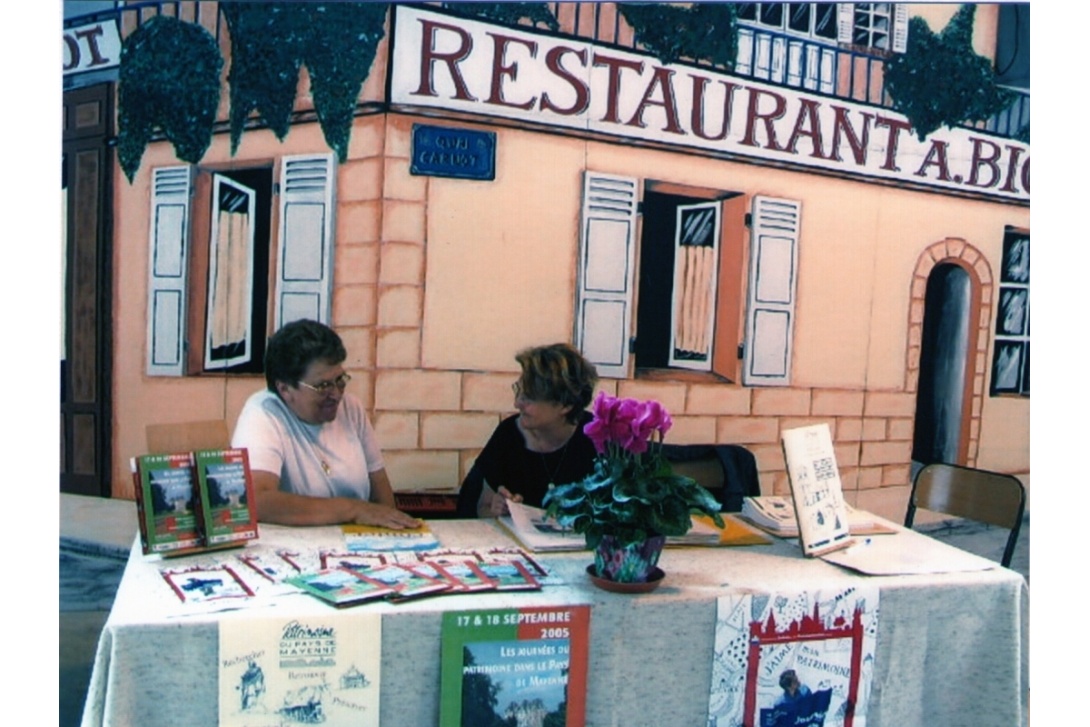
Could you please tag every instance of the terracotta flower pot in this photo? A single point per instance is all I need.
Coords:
(627, 563)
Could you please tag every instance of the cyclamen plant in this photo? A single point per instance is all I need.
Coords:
(633, 493)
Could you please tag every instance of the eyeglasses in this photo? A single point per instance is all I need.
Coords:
(327, 386)
(520, 393)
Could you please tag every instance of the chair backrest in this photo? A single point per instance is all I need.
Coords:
(728, 470)
(988, 497)
(187, 436)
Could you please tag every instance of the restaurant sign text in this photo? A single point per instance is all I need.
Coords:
(467, 66)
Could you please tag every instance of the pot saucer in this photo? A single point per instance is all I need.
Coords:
(653, 581)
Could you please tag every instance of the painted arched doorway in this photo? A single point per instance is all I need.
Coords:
(951, 294)
(944, 361)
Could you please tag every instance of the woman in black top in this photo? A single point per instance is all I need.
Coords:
(544, 442)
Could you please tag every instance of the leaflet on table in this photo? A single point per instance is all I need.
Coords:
(514, 666)
(197, 583)
(793, 659)
(889, 556)
(308, 670)
(340, 587)
(359, 538)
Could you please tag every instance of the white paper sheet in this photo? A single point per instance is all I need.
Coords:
(888, 556)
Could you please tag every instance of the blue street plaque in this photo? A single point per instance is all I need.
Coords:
(442, 151)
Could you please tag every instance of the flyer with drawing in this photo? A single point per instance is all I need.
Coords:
(514, 666)
(794, 659)
(318, 669)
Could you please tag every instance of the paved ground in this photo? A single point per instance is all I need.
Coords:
(95, 539)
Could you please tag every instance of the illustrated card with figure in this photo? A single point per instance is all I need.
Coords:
(320, 669)
(794, 659)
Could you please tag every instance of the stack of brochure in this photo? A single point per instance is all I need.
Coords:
(776, 515)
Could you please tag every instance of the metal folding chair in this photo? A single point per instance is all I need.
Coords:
(987, 497)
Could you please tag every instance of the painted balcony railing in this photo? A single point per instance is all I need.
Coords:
(777, 58)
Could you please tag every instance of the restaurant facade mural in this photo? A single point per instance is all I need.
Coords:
(755, 232)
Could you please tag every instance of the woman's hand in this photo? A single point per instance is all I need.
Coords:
(371, 513)
(498, 505)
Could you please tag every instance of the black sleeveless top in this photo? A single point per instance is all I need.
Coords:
(506, 462)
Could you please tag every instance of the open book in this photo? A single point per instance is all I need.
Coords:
(539, 533)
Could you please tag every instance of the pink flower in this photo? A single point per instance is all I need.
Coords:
(651, 418)
(600, 429)
(626, 423)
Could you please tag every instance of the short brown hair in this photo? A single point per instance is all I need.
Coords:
(558, 373)
(296, 346)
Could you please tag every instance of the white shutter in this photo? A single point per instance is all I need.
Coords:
(304, 272)
(900, 28)
(770, 307)
(168, 263)
(606, 273)
(845, 22)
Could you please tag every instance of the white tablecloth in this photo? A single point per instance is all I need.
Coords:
(952, 648)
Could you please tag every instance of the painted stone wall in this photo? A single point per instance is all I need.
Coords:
(438, 282)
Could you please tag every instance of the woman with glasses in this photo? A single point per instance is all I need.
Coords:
(312, 450)
(544, 442)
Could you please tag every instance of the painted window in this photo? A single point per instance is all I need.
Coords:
(873, 25)
(812, 20)
(700, 306)
(1010, 357)
(229, 304)
(213, 243)
(796, 43)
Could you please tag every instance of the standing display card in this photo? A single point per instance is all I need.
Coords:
(820, 509)
(294, 671)
(226, 509)
(794, 659)
(514, 666)
(165, 504)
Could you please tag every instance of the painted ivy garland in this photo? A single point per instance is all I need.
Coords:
(704, 32)
(265, 60)
(343, 41)
(508, 13)
(169, 78)
(940, 81)
(270, 42)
